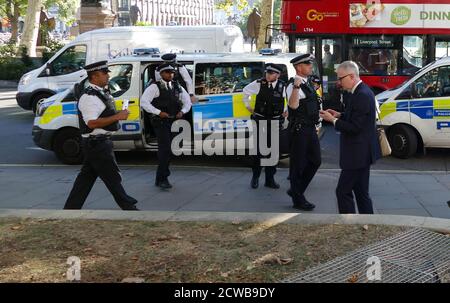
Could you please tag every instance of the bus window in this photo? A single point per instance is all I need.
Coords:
(305, 46)
(442, 49)
(225, 78)
(331, 58)
(379, 62)
(426, 86)
(413, 54)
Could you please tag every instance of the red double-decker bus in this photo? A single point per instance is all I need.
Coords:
(389, 39)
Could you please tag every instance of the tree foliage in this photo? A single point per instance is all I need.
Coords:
(227, 5)
(66, 9)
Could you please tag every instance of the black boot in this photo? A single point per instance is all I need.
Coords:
(272, 184)
(164, 184)
(255, 182)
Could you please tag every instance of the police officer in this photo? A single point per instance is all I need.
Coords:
(304, 116)
(183, 77)
(165, 100)
(98, 120)
(269, 106)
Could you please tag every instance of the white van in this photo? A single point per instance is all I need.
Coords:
(218, 81)
(416, 114)
(65, 68)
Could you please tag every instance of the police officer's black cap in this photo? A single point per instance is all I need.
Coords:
(273, 68)
(169, 57)
(305, 59)
(97, 66)
(165, 67)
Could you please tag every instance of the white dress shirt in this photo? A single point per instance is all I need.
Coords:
(91, 108)
(253, 88)
(152, 92)
(186, 77)
(290, 87)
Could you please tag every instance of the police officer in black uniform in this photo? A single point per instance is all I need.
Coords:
(182, 75)
(270, 94)
(165, 101)
(304, 108)
(98, 120)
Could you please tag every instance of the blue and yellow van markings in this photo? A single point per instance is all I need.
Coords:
(424, 109)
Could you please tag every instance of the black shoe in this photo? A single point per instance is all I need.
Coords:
(307, 206)
(157, 182)
(272, 184)
(289, 192)
(131, 207)
(255, 182)
(165, 184)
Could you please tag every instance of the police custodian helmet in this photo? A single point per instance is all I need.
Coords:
(305, 59)
(165, 67)
(97, 66)
(273, 68)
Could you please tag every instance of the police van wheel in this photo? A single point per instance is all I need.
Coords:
(403, 141)
(38, 98)
(67, 146)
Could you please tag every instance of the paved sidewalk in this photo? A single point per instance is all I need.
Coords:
(222, 190)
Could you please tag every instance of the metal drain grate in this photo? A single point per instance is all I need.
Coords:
(415, 256)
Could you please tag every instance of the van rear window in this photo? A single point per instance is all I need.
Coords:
(225, 78)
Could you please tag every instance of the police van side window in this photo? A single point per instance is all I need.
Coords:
(425, 86)
(71, 60)
(443, 84)
(119, 79)
(225, 78)
(284, 73)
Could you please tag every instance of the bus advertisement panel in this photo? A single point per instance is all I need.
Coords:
(389, 39)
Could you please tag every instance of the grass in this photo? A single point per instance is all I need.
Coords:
(37, 250)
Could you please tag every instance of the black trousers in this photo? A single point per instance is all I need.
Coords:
(354, 181)
(162, 128)
(270, 171)
(305, 159)
(99, 161)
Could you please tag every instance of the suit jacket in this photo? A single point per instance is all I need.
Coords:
(359, 146)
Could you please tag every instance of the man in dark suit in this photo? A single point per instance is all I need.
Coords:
(359, 147)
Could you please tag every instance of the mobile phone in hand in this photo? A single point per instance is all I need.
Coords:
(125, 104)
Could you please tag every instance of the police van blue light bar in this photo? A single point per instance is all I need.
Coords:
(269, 51)
(145, 51)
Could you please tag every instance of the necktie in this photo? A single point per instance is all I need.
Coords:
(270, 86)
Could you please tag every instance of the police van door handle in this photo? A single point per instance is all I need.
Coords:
(203, 100)
(131, 102)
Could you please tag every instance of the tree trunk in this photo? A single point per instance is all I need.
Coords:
(15, 24)
(31, 28)
(266, 19)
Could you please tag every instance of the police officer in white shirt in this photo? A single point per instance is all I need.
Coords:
(98, 120)
(270, 94)
(304, 107)
(183, 77)
(165, 101)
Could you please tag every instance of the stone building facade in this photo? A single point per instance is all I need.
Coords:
(166, 12)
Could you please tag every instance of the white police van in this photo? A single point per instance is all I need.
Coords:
(65, 68)
(416, 114)
(218, 81)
